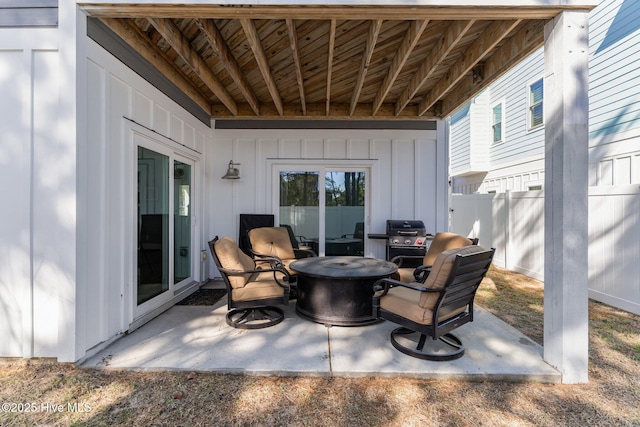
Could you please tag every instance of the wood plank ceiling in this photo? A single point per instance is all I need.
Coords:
(336, 62)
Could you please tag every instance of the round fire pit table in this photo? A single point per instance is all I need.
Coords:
(338, 290)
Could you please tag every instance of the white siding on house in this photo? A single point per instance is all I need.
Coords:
(37, 167)
(519, 143)
(460, 140)
(115, 101)
(405, 180)
(614, 69)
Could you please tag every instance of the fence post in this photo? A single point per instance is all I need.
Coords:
(507, 230)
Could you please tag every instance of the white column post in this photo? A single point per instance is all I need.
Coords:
(566, 205)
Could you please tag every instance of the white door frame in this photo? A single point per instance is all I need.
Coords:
(275, 166)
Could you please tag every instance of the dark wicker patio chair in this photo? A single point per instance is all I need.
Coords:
(433, 309)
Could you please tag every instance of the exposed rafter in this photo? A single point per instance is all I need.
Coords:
(225, 56)
(332, 42)
(483, 45)
(370, 44)
(150, 52)
(449, 40)
(410, 41)
(396, 61)
(295, 52)
(256, 46)
(171, 33)
(525, 41)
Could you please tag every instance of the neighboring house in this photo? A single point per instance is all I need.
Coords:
(119, 118)
(497, 141)
(497, 144)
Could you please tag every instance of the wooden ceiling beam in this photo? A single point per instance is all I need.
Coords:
(410, 40)
(332, 43)
(437, 55)
(261, 58)
(141, 43)
(324, 12)
(480, 48)
(219, 46)
(529, 38)
(172, 34)
(295, 52)
(370, 45)
(317, 110)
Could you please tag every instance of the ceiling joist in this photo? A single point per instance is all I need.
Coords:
(328, 61)
(256, 46)
(171, 33)
(410, 40)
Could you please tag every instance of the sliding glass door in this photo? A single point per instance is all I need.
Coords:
(164, 223)
(331, 221)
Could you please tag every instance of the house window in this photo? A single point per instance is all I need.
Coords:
(497, 122)
(536, 97)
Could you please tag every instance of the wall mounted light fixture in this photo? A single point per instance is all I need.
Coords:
(232, 171)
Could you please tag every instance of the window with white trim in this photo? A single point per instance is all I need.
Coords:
(497, 122)
(536, 105)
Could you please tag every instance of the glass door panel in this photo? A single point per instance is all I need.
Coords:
(300, 206)
(182, 221)
(344, 213)
(153, 224)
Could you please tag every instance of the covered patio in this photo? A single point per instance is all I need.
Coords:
(255, 72)
(344, 85)
(196, 338)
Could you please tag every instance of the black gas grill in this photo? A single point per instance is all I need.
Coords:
(407, 238)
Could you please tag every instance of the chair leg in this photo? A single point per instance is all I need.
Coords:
(404, 340)
(254, 318)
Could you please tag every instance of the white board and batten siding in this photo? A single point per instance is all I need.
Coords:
(119, 104)
(37, 167)
(406, 181)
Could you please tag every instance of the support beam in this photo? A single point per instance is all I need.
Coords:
(487, 41)
(524, 41)
(332, 43)
(172, 34)
(139, 41)
(261, 58)
(227, 59)
(295, 52)
(410, 40)
(566, 112)
(449, 40)
(370, 45)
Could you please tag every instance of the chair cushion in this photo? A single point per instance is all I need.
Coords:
(271, 241)
(262, 286)
(405, 302)
(232, 258)
(440, 273)
(404, 274)
(442, 242)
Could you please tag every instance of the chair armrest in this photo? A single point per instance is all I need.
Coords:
(304, 253)
(383, 285)
(398, 259)
(421, 273)
(279, 270)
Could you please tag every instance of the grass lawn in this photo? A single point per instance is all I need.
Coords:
(63, 395)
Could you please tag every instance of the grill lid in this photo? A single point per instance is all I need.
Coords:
(398, 227)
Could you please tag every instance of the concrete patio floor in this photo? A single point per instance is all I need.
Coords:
(196, 338)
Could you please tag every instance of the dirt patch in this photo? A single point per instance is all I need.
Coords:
(95, 398)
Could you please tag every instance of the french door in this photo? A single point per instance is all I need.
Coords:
(166, 234)
(326, 206)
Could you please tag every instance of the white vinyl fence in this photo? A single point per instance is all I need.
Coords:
(513, 223)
